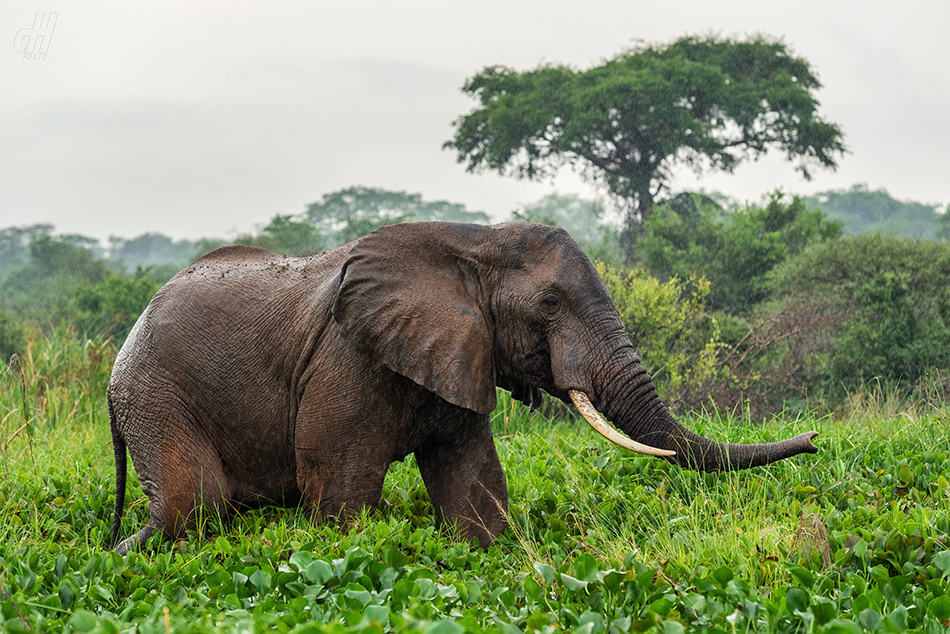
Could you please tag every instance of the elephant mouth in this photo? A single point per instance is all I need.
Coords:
(528, 394)
(605, 429)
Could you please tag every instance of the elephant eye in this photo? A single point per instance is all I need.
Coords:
(550, 303)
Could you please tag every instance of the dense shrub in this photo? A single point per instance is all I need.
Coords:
(39, 290)
(676, 337)
(111, 307)
(12, 336)
(62, 285)
(896, 299)
(734, 250)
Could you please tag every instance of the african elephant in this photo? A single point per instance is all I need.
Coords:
(253, 378)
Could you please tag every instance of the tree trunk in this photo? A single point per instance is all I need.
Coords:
(634, 219)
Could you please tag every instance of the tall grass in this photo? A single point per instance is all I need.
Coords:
(57, 384)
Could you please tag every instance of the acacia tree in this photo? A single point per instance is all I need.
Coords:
(707, 102)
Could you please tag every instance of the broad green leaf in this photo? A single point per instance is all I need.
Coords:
(319, 572)
(584, 628)
(301, 558)
(860, 548)
(404, 590)
(445, 626)
(66, 596)
(82, 620)
(858, 584)
(474, 592)
(357, 592)
(261, 581)
(427, 588)
(939, 608)
(870, 619)
(546, 571)
(572, 583)
(505, 626)
(661, 606)
(593, 618)
(532, 588)
(223, 546)
(906, 475)
(796, 600)
(898, 618)
(91, 567)
(377, 613)
(585, 567)
(804, 576)
(695, 602)
(942, 562)
(839, 626)
(394, 557)
(60, 568)
(824, 609)
(673, 627)
(355, 559)
(723, 575)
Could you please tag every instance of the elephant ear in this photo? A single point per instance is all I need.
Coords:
(410, 296)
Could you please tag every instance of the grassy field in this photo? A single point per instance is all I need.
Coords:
(852, 539)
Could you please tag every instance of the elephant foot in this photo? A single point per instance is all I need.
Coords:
(135, 542)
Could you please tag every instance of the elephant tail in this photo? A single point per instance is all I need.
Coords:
(121, 467)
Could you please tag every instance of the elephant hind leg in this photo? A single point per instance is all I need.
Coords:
(467, 485)
(185, 483)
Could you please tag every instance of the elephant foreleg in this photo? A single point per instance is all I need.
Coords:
(467, 485)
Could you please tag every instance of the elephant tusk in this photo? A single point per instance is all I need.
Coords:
(592, 416)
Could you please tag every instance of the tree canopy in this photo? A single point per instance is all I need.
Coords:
(706, 102)
(287, 235)
(352, 212)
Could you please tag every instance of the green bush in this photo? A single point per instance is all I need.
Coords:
(851, 539)
(895, 300)
(733, 250)
(64, 285)
(39, 290)
(676, 337)
(111, 307)
(12, 335)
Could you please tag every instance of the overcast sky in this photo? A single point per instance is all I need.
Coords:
(206, 119)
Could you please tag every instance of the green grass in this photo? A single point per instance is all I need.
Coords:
(854, 538)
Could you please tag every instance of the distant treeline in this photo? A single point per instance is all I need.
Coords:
(865, 211)
(762, 306)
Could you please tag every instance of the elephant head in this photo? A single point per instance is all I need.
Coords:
(460, 309)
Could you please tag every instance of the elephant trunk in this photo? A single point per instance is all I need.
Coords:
(635, 408)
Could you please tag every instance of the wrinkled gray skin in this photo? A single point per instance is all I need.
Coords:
(253, 378)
